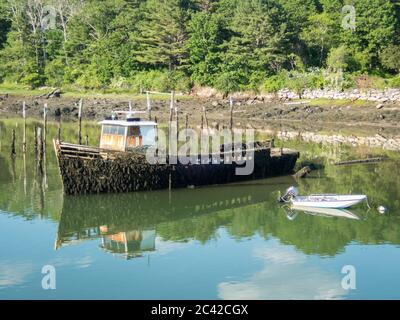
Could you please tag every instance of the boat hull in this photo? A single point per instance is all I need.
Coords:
(329, 202)
(104, 172)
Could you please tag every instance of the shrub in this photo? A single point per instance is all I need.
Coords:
(159, 80)
(394, 82)
(229, 82)
(54, 73)
(275, 83)
(367, 82)
(32, 77)
(255, 81)
(390, 58)
(89, 79)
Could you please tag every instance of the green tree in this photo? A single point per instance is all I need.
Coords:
(375, 30)
(206, 35)
(163, 34)
(339, 59)
(390, 58)
(320, 35)
(258, 43)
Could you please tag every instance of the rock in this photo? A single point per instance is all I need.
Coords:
(55, 94)
(57, 112)
(379, 106)
(66, 110)
(303, 173)
(215, 103)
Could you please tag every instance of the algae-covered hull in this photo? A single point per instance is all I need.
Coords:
(90, 170)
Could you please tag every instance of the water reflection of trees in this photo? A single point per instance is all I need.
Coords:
(243, 210)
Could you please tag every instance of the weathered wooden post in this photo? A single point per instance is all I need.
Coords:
(24, 134)
(80, 122)
(231, 106)
(13, 152)
(87, 140)
(171, 109)
(177, 123)
(148, 104)
(35, 140)
(40, 147)
(59, 129)
(205, 116)
(130, 106)
(231, 122)
(44, 126)
(187, 126)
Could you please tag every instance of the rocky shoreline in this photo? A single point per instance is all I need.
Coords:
(382, 96)
(375, 141)
(245, 108)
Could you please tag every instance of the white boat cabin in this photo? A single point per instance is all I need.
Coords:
(127, 134)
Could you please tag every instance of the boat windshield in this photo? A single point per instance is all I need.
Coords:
(114, 130)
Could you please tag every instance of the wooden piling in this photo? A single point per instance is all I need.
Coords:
(231, 112)
(24, 133)
(187, 126)
(35, 140)
(40, 148)
(171, 109)
(13, 151)
(177, 123)
(205, 116)
(231, 121)
(148, 105)
(59, 128)
(80, 122)
(44, 127)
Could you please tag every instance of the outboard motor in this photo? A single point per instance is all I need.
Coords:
(291, 193)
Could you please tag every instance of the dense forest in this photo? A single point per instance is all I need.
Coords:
(230, 45)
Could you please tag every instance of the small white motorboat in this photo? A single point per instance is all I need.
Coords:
(332, 201)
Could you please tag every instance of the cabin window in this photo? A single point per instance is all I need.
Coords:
(133, 132)
(134, 137)
(113, 137)
(114, 130)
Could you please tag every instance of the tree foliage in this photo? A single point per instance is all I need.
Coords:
(226, 44)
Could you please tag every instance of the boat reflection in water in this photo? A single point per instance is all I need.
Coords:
(293, 211)
(130, 244)
(127, 223)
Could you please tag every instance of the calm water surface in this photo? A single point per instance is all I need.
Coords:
(229, 242)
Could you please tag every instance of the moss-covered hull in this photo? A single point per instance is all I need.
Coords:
(128, 172)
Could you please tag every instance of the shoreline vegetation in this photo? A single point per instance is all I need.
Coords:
(220, 46)
(297, 64)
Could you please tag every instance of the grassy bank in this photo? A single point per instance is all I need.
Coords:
(126, 94)
(20, 90)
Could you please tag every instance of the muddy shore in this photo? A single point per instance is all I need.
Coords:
(254, 113)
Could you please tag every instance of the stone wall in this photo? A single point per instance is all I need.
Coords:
(387, 95)
(377, 141)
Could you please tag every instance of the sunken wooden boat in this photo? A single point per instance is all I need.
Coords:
(120, 163)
